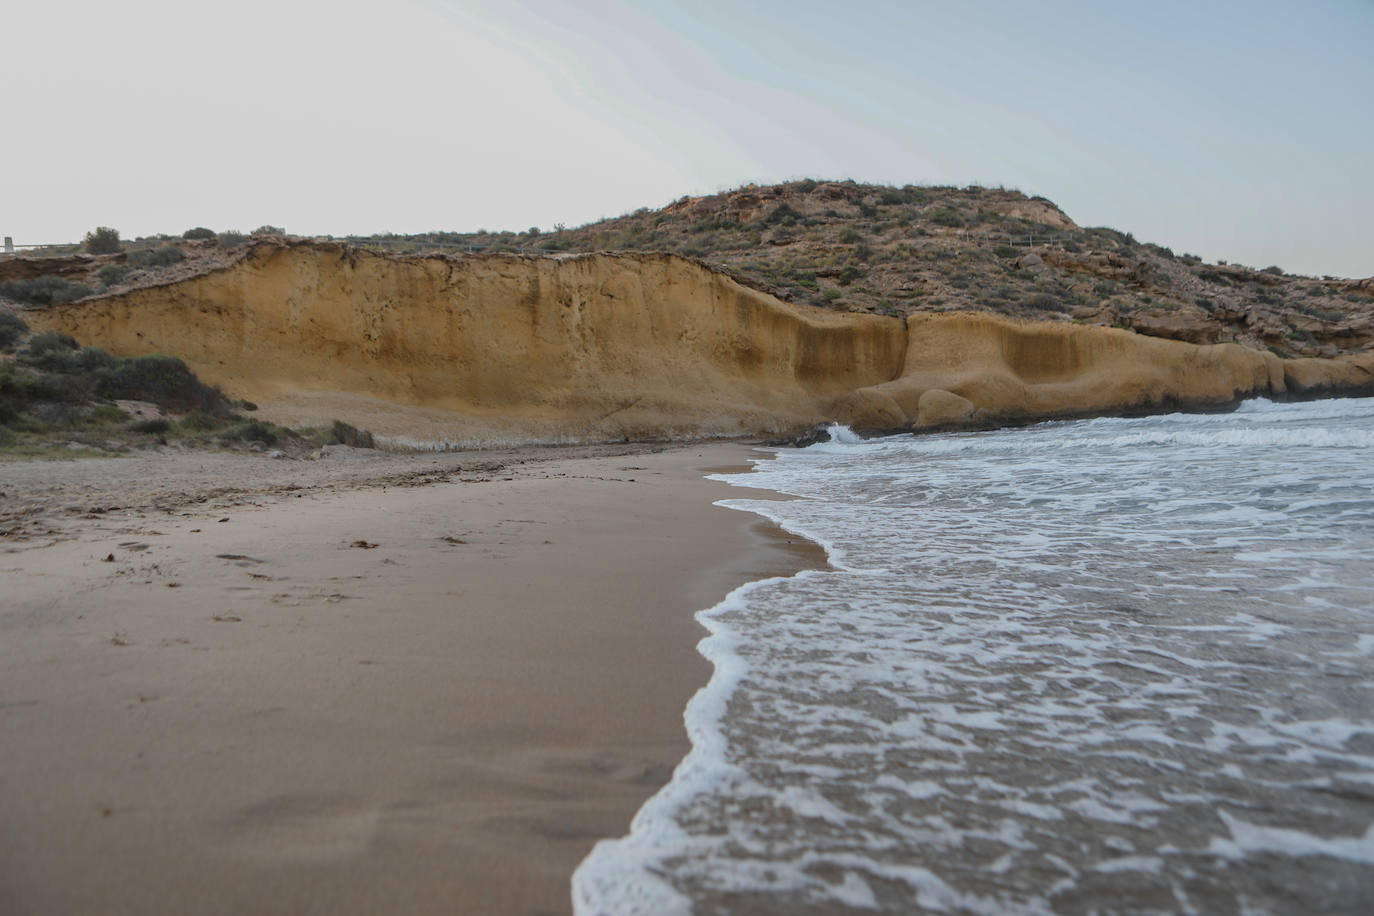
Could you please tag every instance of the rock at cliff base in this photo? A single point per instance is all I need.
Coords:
(938, 407)
(869, 408)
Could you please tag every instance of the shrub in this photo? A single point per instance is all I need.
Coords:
(1273, 269)
(849, 235)
(1005, 251)
(232, 239)
(155, 426)
(157, 257)
(12, 327)
(47, 341)
(806, 185)
(848, 275)
(111, 274)
(200, 232)
(1045, 302)
(278, 230)
(70, 361)
(784, 214)
(947, 216)
(867, 210)
(44, 290)
(199, 421)
(102, 240)
(256, 431)
(344, 434)
(164, 380)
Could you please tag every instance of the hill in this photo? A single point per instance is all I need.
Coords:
(902, 251)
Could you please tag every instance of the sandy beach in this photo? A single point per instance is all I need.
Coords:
(360, 684)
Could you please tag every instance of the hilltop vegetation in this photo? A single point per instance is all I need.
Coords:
(859, 248)
(899, 251)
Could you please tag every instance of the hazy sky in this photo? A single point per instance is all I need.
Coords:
(1237, 130)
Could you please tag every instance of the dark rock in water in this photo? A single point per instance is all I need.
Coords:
(818, 433)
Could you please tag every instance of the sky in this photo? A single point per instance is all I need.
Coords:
(1231, 130)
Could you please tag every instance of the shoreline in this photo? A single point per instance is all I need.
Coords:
(400, 684)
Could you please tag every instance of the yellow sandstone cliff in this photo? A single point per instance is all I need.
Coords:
(607, 346)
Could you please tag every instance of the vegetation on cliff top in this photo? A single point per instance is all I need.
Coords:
(898, 251)
(860, 248)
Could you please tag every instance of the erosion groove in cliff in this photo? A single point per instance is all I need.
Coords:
(639, 345)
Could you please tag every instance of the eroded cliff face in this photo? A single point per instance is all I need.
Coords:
(590, 347)
(642, 346)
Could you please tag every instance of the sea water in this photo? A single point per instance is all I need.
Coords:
(1108, 666)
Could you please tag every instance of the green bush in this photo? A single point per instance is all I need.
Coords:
(232, 239)
(164, 380)
(255, 431)
(1005, 251)
(345, 434)
(947, 216)
(783, 215)
(84, 361)
(199, 421)
(111, 274)
(12, 328)
(200, 232)
(155, 426)
(102, 240)
(45, 290)
(46, 341)
(17, 389)
(848, 275)
(1045, 302)
(278, 230)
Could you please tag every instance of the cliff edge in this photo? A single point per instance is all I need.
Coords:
(592, 347)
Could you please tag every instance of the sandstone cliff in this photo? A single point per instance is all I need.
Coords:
(646, 345)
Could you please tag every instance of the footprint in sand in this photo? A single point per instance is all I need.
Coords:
(304, 828)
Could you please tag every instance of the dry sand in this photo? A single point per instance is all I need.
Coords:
(364, 684)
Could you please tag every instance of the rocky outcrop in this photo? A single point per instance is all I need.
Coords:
(645, 346)
(76, 265)
(938, 407)
(1013, 370)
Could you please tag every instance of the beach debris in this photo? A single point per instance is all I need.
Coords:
(109, 558)
(223, 520)
(134, 546)
(118, 641)
(363, 545)
(226, 618)
(238, 558)
(174, 585)
(452, 540)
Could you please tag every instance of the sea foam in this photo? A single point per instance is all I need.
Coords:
(1104, 666)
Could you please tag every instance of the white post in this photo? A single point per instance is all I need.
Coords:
(9, 245)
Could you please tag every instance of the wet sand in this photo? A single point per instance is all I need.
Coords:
(358, 685)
